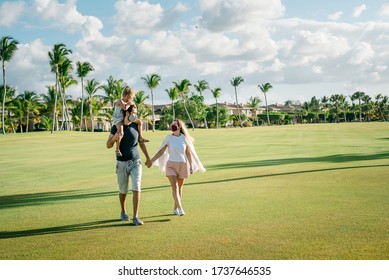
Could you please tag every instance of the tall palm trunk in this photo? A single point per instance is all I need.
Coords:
(360, 111)
(55, 118)
(187, 112)
(205, 117)
(63, 110)
(4, 96)
(237, 106)
(174, 113)
(217, 114)
(91, 114)
(82, 102)
(152, 109)
(27, 120)
(267, 110)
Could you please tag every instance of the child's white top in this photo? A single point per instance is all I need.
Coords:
(117, 113)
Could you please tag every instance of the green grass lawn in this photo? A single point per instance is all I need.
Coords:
(282, 192)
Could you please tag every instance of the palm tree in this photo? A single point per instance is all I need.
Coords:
(335, 98)
(344, 106)
(216, 94)
(29, 104)
(83, 69)
(380, 104)
(91, 88)
(65, 80)
(139, 100)
(367, 106)
(8, 46)
(359, 96)
(182, 89)
(254, 104)
(324, 106)
(173, 95)
(18, 112)
(113, 89)
(235, 82)
(265, 88)
(57, 57)
(10, 105)
(200, 87)
(152, 82)
(49, 99)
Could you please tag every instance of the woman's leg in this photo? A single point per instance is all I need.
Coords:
(180, 183)
(175, 191)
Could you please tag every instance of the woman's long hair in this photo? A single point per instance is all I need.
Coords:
(184, 130)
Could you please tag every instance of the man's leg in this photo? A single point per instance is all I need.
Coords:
(122, 199)
(135, 203)
(136, 175)
(123, 188)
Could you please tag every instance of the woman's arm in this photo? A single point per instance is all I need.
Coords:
(159, 154)
(189, 156)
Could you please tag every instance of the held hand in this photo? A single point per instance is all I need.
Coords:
(191, 170)
(148, 163)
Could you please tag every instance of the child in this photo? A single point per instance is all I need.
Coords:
(121, 105)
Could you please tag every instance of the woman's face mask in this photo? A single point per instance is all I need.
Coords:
(174, 127)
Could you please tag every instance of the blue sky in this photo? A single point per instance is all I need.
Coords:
(303, 48)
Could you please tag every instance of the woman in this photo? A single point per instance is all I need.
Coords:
(177, 157)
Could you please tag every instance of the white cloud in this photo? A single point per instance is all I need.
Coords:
(66, 17)
(335, 16)
(141, 17)
(359, 10)
(162, 48)
(10, 12)
(313, 46)
(317, 69)
(180, 7)
(137, 17)
(363, 53)
(232, 16)
(384, 10)
(29, 68)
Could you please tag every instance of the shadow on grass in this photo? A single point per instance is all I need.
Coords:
(73, 228)
(285, 174)
(20, 200)
(330, 159)
(62, 229)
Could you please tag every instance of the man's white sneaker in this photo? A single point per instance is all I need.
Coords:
(124, 216)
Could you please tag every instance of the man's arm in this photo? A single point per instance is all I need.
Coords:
(144, 150)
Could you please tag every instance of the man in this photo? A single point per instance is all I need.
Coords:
(129, 164)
